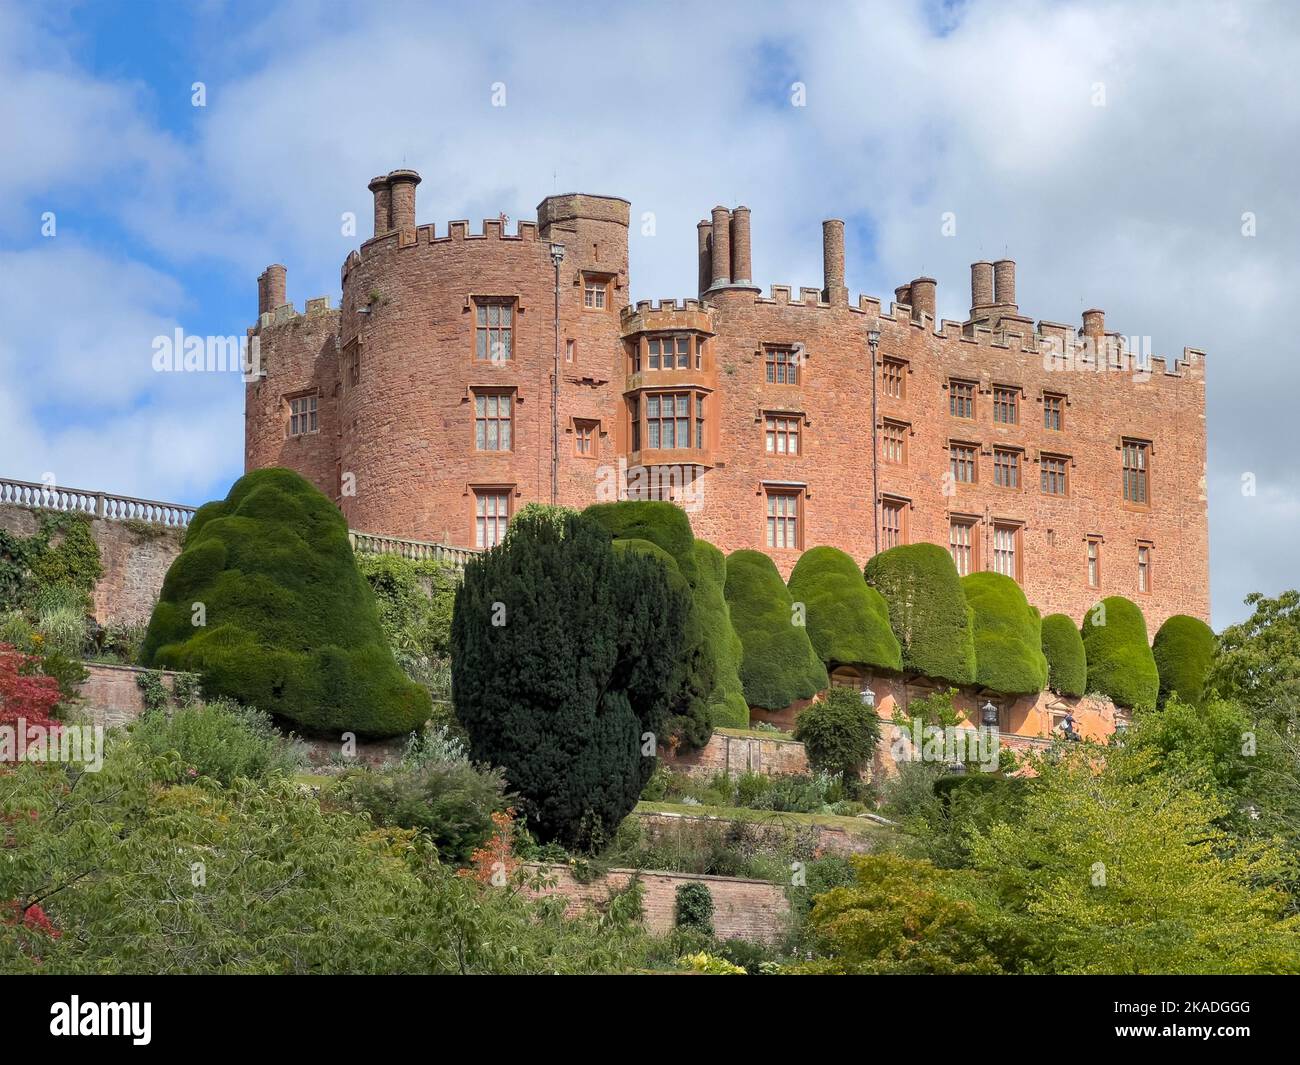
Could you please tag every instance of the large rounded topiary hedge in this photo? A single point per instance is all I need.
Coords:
(288, 623)
(848, 621)
(927, 610)
(1184, 652)
(1008, 635)
(1120, 664)
(779, 665)
(1067, 668)
(704, 569)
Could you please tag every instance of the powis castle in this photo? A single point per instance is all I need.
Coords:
(466, 374)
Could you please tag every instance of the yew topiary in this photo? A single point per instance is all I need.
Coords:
(779, 665)
(1067, 668)
(1184, 653)
(266, 603)
(847, 619)
(1008, 635)
(927, 610)
(1120, 663)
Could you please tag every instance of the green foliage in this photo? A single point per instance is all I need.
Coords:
(67, 555)
(727, 705)
(291, 626)
(1008, 635)
(779, 665)
(414, 600)
(1126, 870)
(1067, 666)
(222, 740)
(904, 916)
(1184, 654)
(452, 802)
(563, 654)
(1120, 664)
(847, 619)
(693, 907)
(139, 876)
(715, 655)
(839, 733)
(927, 610)
(1258, 663)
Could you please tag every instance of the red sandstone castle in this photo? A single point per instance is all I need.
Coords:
(469, 373)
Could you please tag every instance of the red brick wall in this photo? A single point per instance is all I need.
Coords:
(135, 560)
(742, 909)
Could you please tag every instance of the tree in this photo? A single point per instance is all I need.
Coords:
(927, 610)
(779, 664)
(25, 695)
(1259, 659)
(848, 621)
(1067, 666)
(265, 602)
(840, 733)
(1008, 635)
(716, 647)
(1124, 869)
(1184, 654)
(1120, 664)
(565, 654)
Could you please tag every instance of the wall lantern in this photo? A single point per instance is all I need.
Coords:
(868, 697)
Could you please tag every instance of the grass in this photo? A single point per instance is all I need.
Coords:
(314, 780)
(757, 733)
(858, 826)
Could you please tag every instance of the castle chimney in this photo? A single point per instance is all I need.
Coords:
(923, 297)
(271, 289)
(833, 261)
(741, 268)
(383, 203)
(1004, 284)
(704, 232)
(402, 183)
(1094, 325)
(981, 287)
(903, 294)
(721, 247)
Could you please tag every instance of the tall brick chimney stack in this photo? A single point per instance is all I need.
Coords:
(402, 183)
(903, 294)
(721, 247)
(1094, 324)
(272, 287)
(981, 288)
(923, 297)
(704, 233)
(1004, 285)
(383, 203)
(741, 266)
(833, 261)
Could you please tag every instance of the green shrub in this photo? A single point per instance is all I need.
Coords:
(291, 626)
(716, 650)
(221, 740)
(67, 555)
(414, 600)
(62, 630)
(452, 802)
(1184, 654)
(839, 733)
(1120, 663)
(927, 610)
(693, 907)
(847, 619)
(779, 665)
(564, 654)
(1067, 668)
(1008, 635)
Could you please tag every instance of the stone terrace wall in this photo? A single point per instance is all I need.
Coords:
(734, 753)
(111, 696)
(830, 839)
(135, 556)
(742, 909)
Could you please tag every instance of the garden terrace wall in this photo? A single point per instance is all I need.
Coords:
(830, 838)
(755, 910)
(734, 752)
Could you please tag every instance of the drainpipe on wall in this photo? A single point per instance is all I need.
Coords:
(873, 340)
(557, 257)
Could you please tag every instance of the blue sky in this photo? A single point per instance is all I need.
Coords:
(167, 212)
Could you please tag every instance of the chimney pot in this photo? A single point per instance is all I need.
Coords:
(923, 297)
(741, 267)
(721, 247)
(383, 203)
(272, 288)
(981, 286)
(704, 233)
(1004, 283)
(833, 261)
(1094, 324)
(402, 183)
